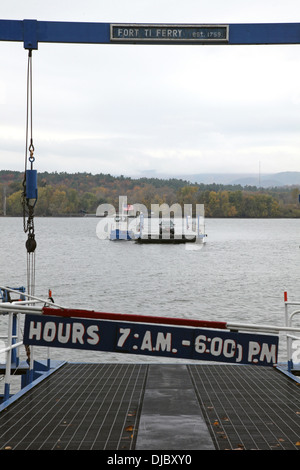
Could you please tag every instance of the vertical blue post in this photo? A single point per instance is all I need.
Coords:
(6, 391)
(30, 376)
(14, 355)
(48, 360)
(8, 359)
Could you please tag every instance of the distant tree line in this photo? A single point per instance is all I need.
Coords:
(66, 194)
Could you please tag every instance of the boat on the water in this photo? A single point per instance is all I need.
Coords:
(172, 231)
(120, 229)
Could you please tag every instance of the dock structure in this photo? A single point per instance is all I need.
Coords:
(116, 406)
(225, 390)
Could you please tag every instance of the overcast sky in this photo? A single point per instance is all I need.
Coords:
(135, 110)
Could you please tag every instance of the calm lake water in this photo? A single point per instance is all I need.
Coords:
(238, 276)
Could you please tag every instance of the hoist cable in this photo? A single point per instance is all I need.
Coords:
(28, 204)
(28, 109)
(26, 209)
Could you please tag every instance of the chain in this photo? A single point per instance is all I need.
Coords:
(28, 209)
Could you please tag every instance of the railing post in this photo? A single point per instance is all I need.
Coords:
(8, 358)
(288, 339)
(14, 352)
(289, 347)
(48, 359)
(288, 324)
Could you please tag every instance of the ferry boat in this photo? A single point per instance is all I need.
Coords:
(173, 231)
(120, 229)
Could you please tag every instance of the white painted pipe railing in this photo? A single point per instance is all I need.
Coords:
(11, 309)
(34, 310)
(31, 297)
(8, 352)
(289, 317)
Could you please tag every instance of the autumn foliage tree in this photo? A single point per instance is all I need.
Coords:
(65, 194)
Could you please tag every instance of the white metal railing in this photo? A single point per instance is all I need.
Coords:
(289, 317)
(10, 350)
(14, 341)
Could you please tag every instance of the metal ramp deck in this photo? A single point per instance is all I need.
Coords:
(155, 406)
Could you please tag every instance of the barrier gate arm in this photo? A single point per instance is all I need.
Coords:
(31, 32)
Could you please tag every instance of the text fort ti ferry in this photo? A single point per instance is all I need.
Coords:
(228, 392)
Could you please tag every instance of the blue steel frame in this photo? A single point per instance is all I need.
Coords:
(33, 32)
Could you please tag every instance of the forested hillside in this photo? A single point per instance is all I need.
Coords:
(64, 194)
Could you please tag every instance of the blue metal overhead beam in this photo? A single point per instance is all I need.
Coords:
(265, 33)
(32, 32)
